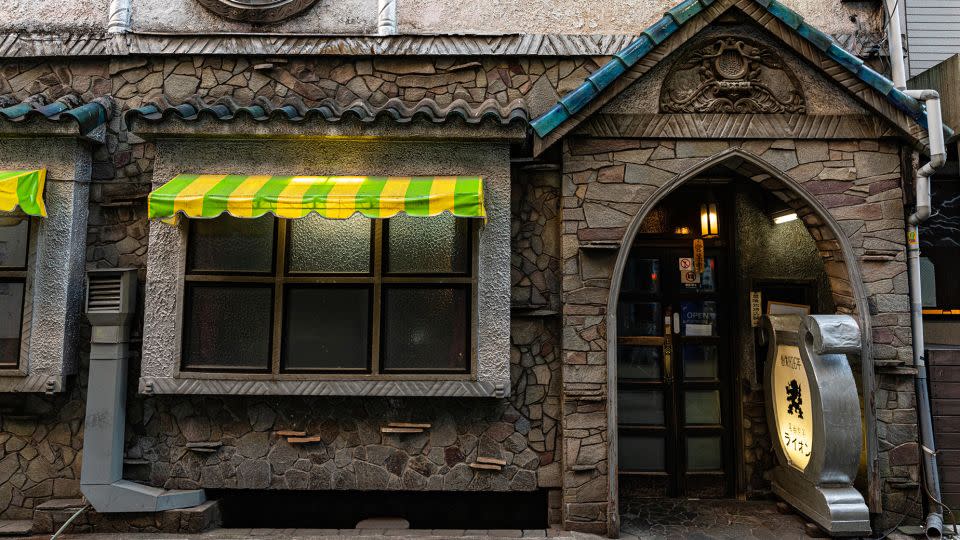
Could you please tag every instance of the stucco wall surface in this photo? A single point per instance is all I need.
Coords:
(324, 17)
(55, 15)
(414, 17)
(590, 17)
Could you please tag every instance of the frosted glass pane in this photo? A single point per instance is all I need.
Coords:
(641, 275)
(326, 328)
(13, 242)
(11, 312)
(704, 454)
(640, 407)
(700, 361)
(425, 328)
(640, 319)
(323, 245)
(638, 362)
(229, 244)
(641, 452)
(228, 327)
(427, 245)
(702, 406)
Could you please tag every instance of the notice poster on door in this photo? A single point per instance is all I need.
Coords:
(698, 318)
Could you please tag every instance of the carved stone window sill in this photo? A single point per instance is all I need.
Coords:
(393, 388)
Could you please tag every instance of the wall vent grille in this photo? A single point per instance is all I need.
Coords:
(104, 292)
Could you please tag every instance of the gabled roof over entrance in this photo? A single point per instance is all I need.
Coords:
(683, 21)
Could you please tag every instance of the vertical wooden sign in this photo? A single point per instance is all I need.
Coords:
(699, 261)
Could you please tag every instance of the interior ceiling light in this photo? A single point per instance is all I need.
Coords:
(784, 216)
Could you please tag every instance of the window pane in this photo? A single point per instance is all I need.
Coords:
(640, 319)
(640, 407)
(641, 276)
(228, 326)
(326, 328)
(702, 406)
(425, 329)
(11, 312)
(700, 361)
(231, 244)
(704, 454)
(638, 362)
(323, 245)
(641, 452)
(434, 245)
(13, 242)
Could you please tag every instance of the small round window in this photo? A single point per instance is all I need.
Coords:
(257, 11)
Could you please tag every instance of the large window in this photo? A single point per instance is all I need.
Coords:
(319, 296)
(14, 240)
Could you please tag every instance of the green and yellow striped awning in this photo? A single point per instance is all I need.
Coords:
(23, 189)
(335, 197)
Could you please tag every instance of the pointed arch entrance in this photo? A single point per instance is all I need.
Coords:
(846, 285)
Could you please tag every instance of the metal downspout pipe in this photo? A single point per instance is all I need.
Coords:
(938, 155)
(898, 71)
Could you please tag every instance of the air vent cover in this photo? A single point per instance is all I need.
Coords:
(111, 296)
(103, 293)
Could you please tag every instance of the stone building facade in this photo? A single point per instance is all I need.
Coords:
(839, 152)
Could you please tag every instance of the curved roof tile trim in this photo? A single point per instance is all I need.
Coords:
(262, 110)
(674, 18)
(88, 116)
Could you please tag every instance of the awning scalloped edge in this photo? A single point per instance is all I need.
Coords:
(23, 189)
(334, 197)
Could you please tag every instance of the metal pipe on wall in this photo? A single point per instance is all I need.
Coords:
(118, 21)
(387, 17)
(938, 156)
(898, 71)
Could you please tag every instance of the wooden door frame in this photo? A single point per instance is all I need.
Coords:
(725, 296)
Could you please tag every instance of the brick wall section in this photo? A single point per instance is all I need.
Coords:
(605, 182)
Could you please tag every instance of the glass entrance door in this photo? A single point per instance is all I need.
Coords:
(673, 358)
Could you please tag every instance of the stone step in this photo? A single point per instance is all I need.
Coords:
(51, 515)
(15, 527)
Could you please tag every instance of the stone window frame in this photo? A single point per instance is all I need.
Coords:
(166, 265)
(22, 367)
(56, 256)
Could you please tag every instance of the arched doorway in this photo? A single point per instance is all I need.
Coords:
(702, 453)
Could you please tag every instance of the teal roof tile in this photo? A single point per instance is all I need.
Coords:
(550, 120)
(816, 37)
(607, 73)
(69, 108)
(662, 29)
(578, 99)
(785, 14)
(876, 80)
(683, 12)
(636, 50)
(844, 58)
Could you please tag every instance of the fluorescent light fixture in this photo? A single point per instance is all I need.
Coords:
(784, 217)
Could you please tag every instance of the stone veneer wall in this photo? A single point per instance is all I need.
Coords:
(41, 436)
(605, 183)
(602, 187)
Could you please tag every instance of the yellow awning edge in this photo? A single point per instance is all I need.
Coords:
(23, 189)
(333, 197)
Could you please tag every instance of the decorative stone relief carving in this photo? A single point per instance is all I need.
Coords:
(257, 11)
(731, 75)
